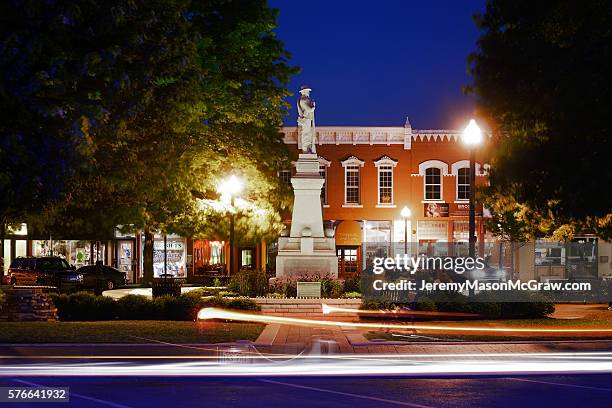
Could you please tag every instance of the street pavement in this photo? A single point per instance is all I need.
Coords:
(498, 374)
(352, 392)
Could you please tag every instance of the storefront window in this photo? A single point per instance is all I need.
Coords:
(246, 258)
(377, 239)
(461, 238)
(216, 252)
(76, 252)
(433, 238)
(572, 259)
(549, 253)
(175, 255)
(20, 247)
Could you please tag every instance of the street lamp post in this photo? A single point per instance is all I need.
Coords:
(472, 137)
(406, 213)
(231, 187)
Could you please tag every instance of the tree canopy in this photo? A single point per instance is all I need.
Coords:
(160, 99)
(541, 75)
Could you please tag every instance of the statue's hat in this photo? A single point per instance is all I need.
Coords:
(305, 88)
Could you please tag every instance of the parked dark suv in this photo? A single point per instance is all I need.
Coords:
(46, 270)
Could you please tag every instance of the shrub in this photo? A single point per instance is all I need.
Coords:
(216, 301)
(351, 295)
(378, 304)
(352, 284)
(425, 304)
(284, 287)
(225, 293)
(200, 292)
(249, 283)
(330, 288)
(137, 307)
(242, 304)
(84, 306)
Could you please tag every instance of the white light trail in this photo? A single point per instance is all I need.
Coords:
(214, 313)
(435, 365)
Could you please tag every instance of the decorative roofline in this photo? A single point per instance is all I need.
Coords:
(373, 135)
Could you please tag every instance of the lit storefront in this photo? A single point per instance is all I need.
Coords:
(169, 259)
(573, 259)
(76, 252)
(209, 258)
(432, 237)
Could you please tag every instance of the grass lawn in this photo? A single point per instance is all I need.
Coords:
(127, 331)
(603, 320)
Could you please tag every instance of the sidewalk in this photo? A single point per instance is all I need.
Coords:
(286, 339)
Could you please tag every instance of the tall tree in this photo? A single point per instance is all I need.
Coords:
(541, 75)
(171, 90)
(40, 141)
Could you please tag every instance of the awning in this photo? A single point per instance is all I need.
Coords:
(348, 233)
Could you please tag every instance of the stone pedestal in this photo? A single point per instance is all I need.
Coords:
(307, 251)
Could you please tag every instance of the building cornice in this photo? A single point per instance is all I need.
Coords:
(373, 135)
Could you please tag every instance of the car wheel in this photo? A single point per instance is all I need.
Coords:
(110, 285)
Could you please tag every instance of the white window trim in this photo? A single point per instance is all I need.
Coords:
(386, 161)
(433, 200)
(481, 170)
(352, 161)
(443, 166)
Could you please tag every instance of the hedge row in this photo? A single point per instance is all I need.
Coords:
(514, 305)
(86, 306)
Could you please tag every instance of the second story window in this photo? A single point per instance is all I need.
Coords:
(385, 185)
(352, 183)
(463, 183)
(433, 184)
(385, 167)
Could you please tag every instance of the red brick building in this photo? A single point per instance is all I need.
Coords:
(371, 173)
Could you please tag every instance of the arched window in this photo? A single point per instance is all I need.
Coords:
(463, 183)
(433, 184)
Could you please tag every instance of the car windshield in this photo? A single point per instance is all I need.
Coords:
(53, 263)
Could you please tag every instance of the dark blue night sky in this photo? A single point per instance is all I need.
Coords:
(376, 62)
